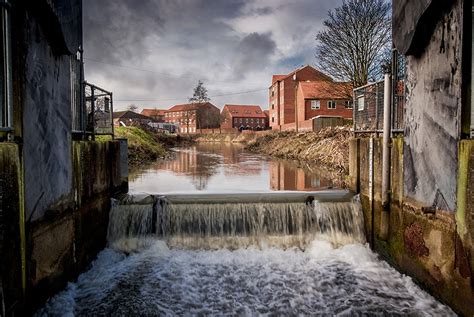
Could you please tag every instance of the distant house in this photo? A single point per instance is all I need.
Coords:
(243, 117)
(129, 118)
(158, 115)
(282, 93)
(323, 98)
(192, 117)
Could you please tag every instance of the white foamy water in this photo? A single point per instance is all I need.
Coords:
(322, 280)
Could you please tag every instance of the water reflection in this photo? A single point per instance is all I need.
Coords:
(215, 167)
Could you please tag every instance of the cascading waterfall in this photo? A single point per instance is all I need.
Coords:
(215, 223)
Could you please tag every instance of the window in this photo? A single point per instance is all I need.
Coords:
(273, 119)
(348, 104)
(360, 103)
(251, 120)
(240, 120)
(331, 104)
(315, 105)
(246, 120)
(273, 106)
(257, 120)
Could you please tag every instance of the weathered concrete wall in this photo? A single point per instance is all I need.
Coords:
(432, 120)
(64, 241)
(10, 242)
(432, 246)
(46, 123)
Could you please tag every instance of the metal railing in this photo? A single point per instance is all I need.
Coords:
(99, 109)
(368, 101)
(6, 93)
(368, 108)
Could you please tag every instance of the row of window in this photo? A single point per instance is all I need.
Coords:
(185, 130)
(331, 104)
(236, 120)
(178, 114)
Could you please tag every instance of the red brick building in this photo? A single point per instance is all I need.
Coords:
(282, 93)
(194, 116)
(243, 117)
(158, 115)
(326, 98)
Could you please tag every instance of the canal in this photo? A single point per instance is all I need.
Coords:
(292, 258)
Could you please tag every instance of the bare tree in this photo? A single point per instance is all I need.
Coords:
(200, 94)
(356, 41)
(132, 107)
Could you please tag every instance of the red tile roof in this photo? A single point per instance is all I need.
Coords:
(276, 78)
(153, 112)
(127, 114)
(325, 90)
(267, 113)
(245, 111)
(190, 106)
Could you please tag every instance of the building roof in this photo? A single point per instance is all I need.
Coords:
(267, 113)
(276, 78)
(129, 115)
(153, 112)
(245, 111)
(190, 106)
(325, 90)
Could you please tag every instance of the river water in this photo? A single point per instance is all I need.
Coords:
(239, 258)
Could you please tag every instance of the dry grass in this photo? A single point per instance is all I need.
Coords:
(328, 147)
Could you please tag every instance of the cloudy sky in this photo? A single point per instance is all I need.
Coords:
(153, 52)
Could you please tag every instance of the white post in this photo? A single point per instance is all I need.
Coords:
(387, 129)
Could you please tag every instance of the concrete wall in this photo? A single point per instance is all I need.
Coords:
(435, 247)
(55, 193)
(46, 123)
(11, 211)
(432, 117)
(66, 239)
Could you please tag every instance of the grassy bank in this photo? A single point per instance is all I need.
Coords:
(328, 148)
(143, 146)
(227, 137)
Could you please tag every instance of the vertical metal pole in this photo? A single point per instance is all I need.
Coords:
(9, 76)
(93, 111)
(377, 93)
(387, 129)
(112, 114)
(82, 100)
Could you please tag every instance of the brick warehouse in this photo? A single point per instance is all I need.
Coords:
(193, 117)
(243, 117)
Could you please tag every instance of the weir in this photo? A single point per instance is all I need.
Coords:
(214, 221)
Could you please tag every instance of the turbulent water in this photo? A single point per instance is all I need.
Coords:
(349, 280)
(221, 259)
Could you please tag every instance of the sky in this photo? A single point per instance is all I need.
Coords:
(152, 53)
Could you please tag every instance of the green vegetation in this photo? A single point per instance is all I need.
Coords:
(143, 146)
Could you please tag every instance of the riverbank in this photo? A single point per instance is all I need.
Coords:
(143, 146)
(328, 148)
(244, 137)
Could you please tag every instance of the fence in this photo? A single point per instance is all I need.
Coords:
(99, 109)
(368, 101)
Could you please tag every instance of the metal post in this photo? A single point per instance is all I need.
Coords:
(9, 78)
(385, 214)
(112, 114)
(92, 114)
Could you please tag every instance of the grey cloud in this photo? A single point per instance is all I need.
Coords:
(178, 42)
(254, 52)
